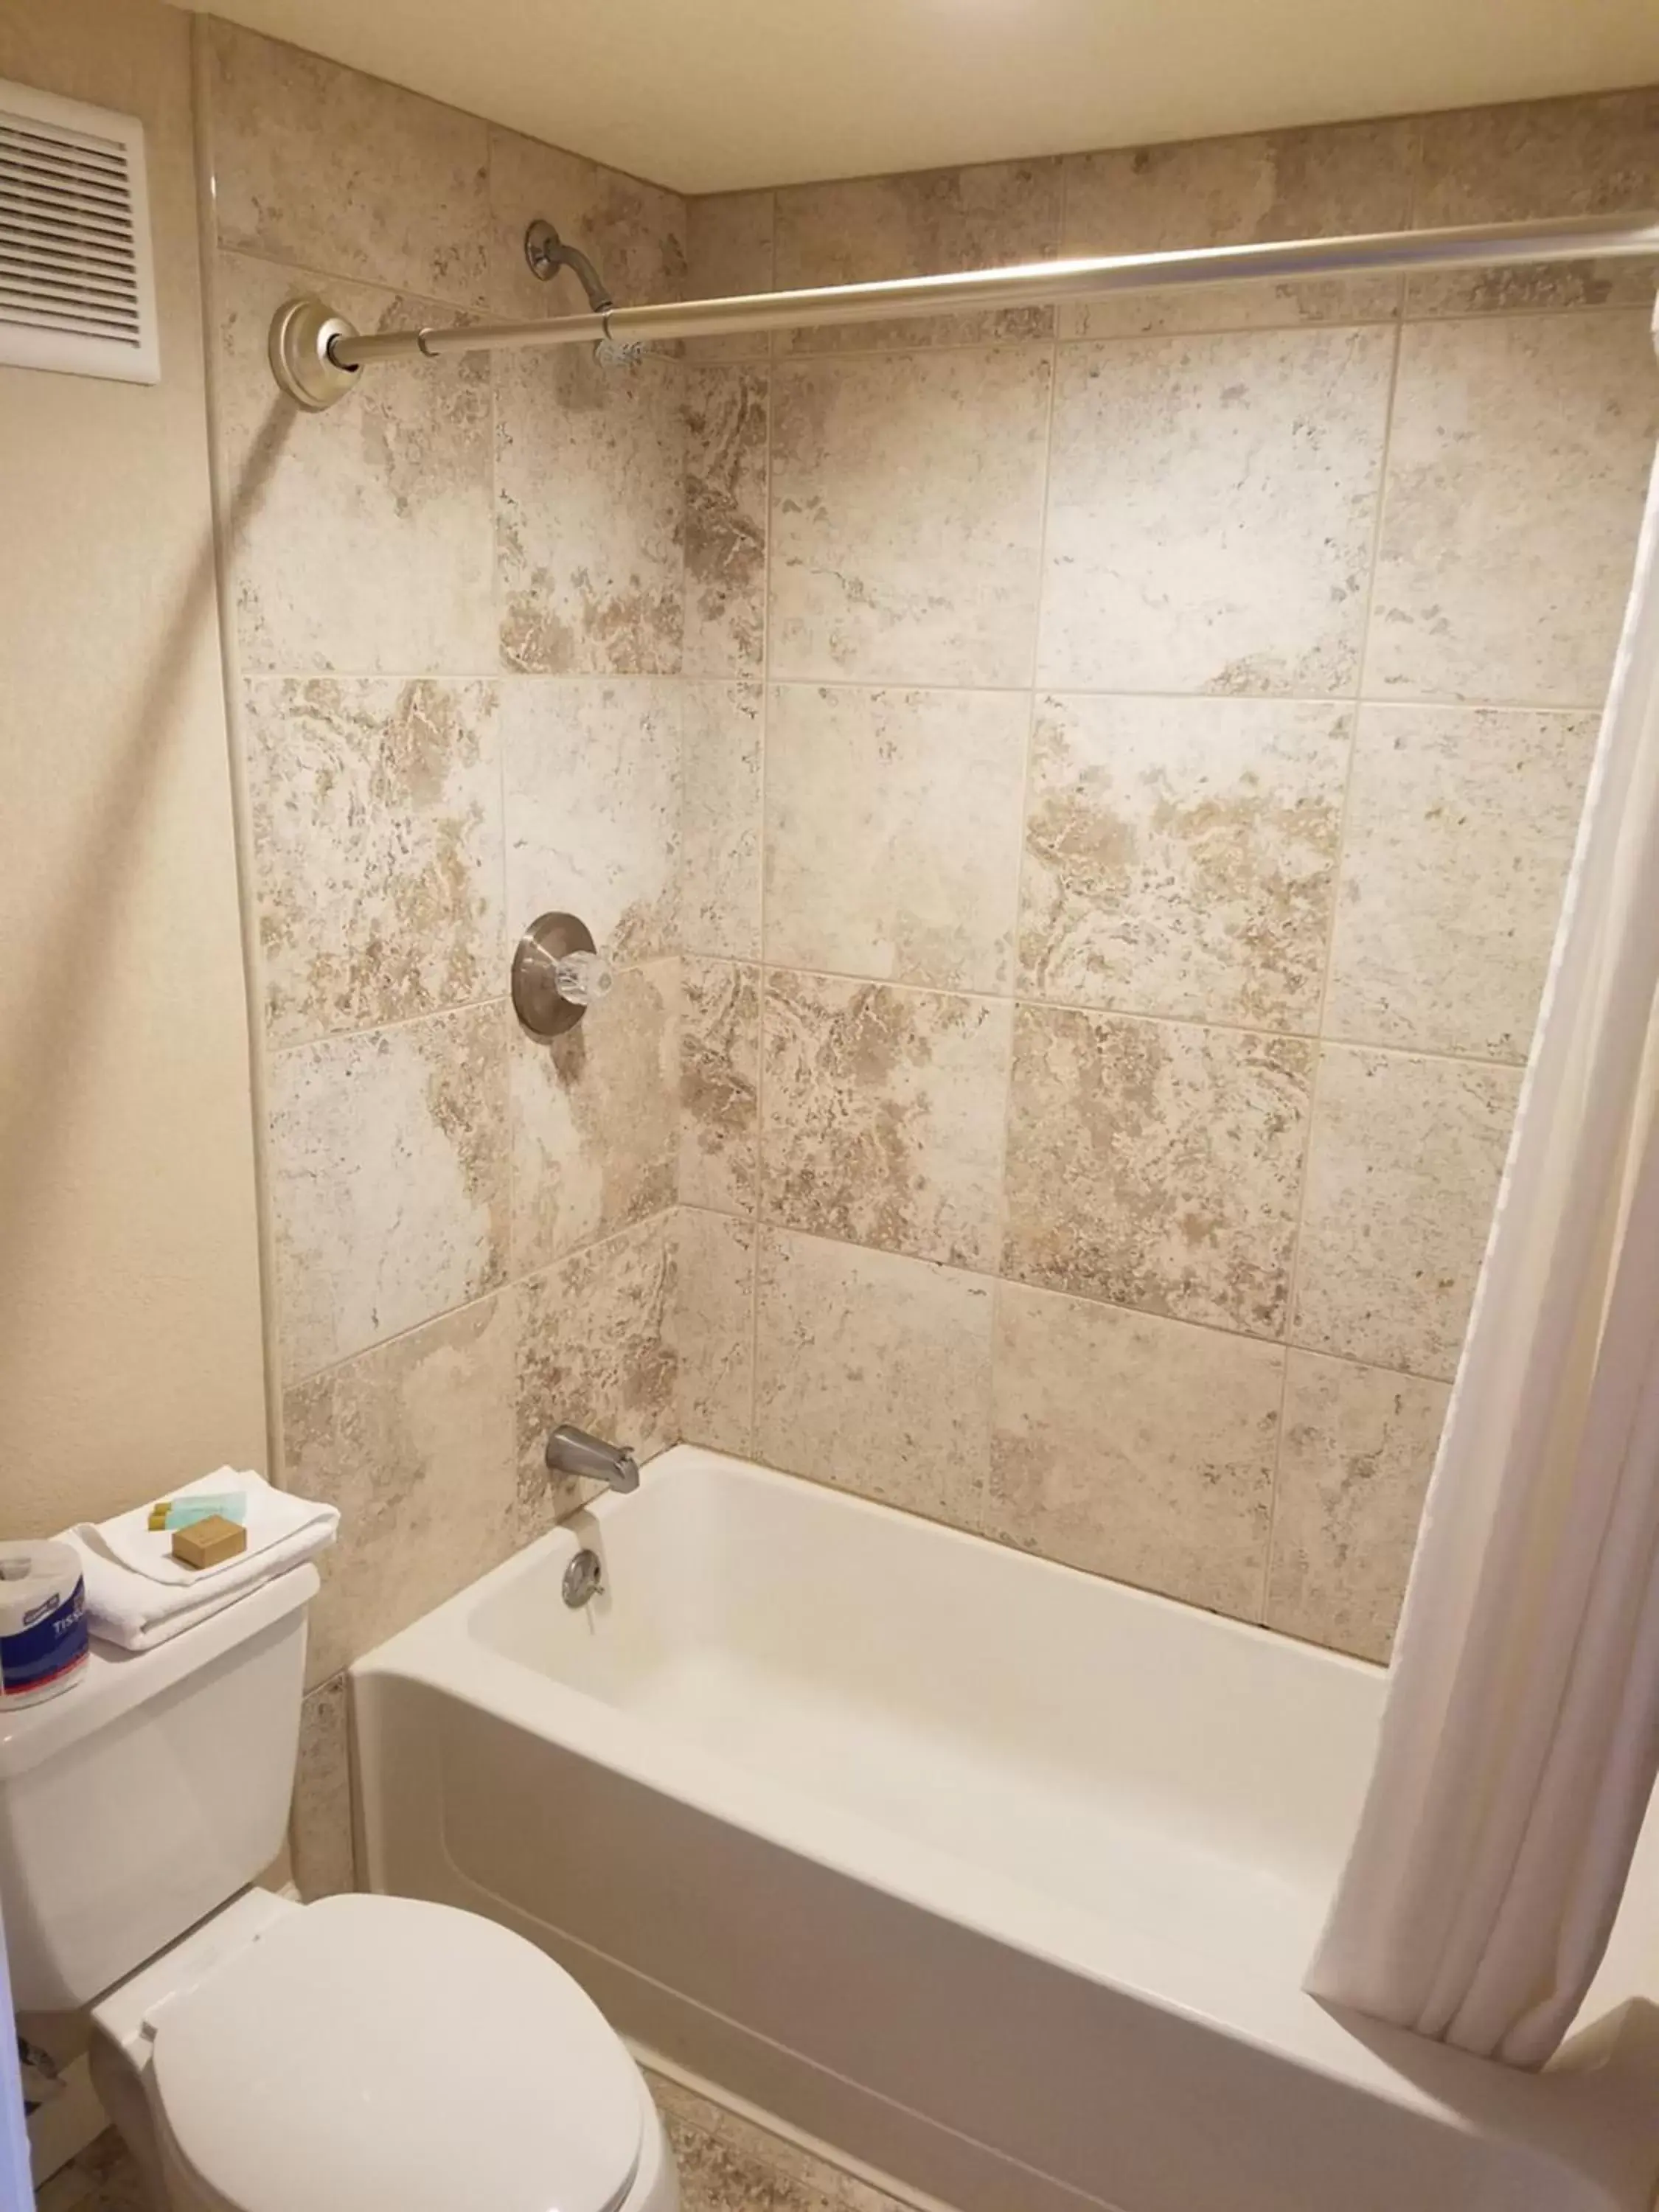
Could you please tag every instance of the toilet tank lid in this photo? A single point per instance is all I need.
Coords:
(370, 2051)
(113, 1683)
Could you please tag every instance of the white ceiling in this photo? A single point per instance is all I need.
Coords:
(705, 96)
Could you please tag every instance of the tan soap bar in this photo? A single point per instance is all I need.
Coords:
(210, 1543)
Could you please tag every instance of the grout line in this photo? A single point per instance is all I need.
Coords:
(763, 738)
(1332, 926)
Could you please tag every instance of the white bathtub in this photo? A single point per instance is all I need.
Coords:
(996, 1877)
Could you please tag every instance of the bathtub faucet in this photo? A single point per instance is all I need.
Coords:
(573, 1451)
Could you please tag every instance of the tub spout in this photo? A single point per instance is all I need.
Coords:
(573, 1451)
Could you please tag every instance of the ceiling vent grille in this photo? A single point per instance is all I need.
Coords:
(77, 287)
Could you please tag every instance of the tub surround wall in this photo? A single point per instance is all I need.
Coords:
(457, 610)
(1133, 753)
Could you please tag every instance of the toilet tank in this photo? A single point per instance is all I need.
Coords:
(145, 1795)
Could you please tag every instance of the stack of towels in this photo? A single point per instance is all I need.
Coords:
(139, 1596)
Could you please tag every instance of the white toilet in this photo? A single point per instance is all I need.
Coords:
(363, 2054)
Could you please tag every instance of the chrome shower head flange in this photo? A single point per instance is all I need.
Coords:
(301, 332)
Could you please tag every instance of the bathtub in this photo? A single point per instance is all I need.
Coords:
(997, 1878)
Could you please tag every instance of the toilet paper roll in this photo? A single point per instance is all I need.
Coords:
(43, 1622)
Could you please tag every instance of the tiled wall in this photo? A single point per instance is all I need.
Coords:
(457, 609)
(1132, 760)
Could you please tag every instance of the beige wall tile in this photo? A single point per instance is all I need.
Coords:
(1402, 1170)
(595, 1348)
(1138, 1449)
(726, 417)
(1594, 156)
(713, 1329)
(872, 1373)
(634, 233)
(1156, 1164)
(924, 222)
(593, 809)
(415, 1443)
(728, 253)
(589, 508)
(882, 1115)
(1520, 451)
(1211, 511)
(361, 540)
(1461, 825)
(344, 173)
(320, 1826)
(595, 1119)
(718, 1075)
(389, 1180)
(1357, 1451)
(377, 836)
(907, 515)
(1181, 854)
(892, 832)
(720, 895)
(1328, 183)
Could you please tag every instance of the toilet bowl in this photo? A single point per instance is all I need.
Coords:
(362, 2054)
(373, 2054)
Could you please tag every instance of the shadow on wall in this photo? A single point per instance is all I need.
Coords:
(33, 1112)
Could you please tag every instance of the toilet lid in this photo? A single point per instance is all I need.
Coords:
(375, 2054)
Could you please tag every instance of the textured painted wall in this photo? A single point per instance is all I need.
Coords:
(457, 631)
(1132, 761)
(130, 1320)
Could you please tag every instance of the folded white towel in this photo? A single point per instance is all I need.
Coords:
(138, 1595)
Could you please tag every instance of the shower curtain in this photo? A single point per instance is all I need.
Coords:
(1521, 1735)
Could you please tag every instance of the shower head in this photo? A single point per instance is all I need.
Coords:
(547, 253)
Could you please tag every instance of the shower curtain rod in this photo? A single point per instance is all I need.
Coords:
(316, 355)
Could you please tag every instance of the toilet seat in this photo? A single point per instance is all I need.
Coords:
(369, 2052)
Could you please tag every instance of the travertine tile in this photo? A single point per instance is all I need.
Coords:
(590, 498)
(882, 1115)
(377, 837)
(1518, 457)
(1358, 1451)
(1156, 1165)
(593, 809)
(922, 223)
(728, 244)
(1138, 1449)
(728, 2164)
(361, 540)
(1403, 1166)
(906, 516)
(634, 233)
(713, 1329)
(719, 1072)
(1461, 825)
(1597, 154)
(1211, 511)
(1328, 183)
(871, 1373)
(102, 2177)
(319, 1830)
(317, 164)
(389, 1180)
(415, 1443)
(596, 1119)
(719, 892)
(726, 420)
(595, 1348)
(1181, 855)
(892, 832)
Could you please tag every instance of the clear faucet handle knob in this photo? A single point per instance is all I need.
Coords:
(583, 977)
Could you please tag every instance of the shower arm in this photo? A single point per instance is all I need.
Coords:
(317, 357)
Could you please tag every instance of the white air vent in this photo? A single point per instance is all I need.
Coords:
(77, 289)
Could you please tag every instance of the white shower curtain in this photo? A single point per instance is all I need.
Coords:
(1521, 1736)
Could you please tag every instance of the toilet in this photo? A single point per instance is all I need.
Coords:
(362, 2054)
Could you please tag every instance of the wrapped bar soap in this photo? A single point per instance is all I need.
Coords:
(209, 1543)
